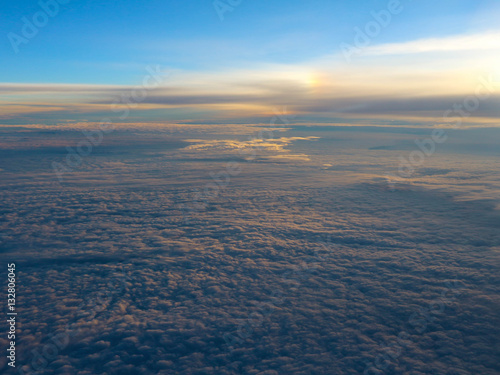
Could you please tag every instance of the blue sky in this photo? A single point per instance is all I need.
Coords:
(263, 55)
(104, 42)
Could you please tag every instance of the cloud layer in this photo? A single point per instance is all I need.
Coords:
(296, 267)
(413, 81)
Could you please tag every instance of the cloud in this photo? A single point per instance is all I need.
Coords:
(108, 259)
(270, 144)
(488, 41)
(414, 81)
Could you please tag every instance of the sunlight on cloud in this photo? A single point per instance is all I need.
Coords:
(277, 144)
(260, 149)
(429, 75)
(484, 41)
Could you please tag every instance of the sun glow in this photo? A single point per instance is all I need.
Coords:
(310, 79)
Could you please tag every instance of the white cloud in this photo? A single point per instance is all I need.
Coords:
(474, 42)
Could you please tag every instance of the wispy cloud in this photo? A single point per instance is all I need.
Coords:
(489, 41)
(418, 79)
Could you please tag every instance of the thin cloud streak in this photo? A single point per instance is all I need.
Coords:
(378, 84)
(474, 42)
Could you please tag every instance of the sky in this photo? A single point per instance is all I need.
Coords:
(269, 197)
(235, 63)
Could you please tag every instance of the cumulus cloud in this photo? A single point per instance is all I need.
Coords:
(304, 267)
